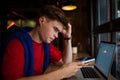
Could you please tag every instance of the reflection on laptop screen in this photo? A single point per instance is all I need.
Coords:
(104, 57)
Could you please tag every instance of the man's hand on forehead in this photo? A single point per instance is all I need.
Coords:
(67, 30)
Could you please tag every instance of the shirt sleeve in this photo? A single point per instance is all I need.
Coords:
(13, 61)
(55, 54)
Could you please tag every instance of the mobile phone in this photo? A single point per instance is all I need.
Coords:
(86, 59)
(89, 60)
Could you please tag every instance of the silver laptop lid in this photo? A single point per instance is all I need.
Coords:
(105, 56)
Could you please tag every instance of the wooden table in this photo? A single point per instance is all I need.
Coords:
(80, 55)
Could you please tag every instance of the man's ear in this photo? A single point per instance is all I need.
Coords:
(41, 20)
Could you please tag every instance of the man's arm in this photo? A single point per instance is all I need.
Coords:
(67, 53)
(55, 75)
(65, 71)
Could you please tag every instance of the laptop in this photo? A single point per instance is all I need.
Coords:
(102, 67)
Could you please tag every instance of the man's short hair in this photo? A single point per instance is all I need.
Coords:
(53, 13)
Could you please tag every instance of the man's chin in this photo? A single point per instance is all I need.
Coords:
(48, 41)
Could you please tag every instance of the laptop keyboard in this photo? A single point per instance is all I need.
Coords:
(88, 72)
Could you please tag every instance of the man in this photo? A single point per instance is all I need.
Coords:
(50, 22)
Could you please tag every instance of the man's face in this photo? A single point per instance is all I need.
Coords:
(49, 30)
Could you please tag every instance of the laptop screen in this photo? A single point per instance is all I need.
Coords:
(105, 57)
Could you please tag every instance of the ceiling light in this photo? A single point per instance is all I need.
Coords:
(69, 5)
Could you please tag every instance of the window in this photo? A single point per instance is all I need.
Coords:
(107, 11)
